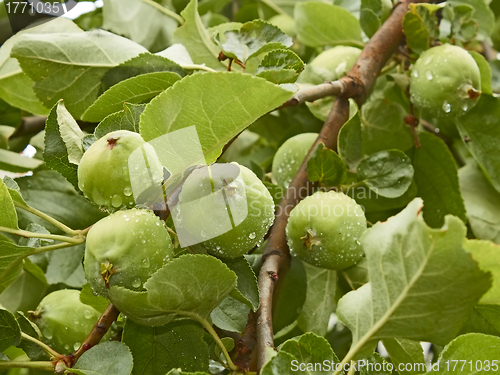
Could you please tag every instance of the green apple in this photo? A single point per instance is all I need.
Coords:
(290, 156)
(223, 209)
(445, 82)
(325, 229)
(105, 170)
(125, 249)
(65, 321)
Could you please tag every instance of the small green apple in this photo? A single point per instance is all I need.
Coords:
(325, 229)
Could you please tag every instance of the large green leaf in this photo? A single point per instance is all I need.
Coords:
(219, 105)
(70, 66)
(482, 203)
(140, 22)
(423, 284)
(437, 180)
(194, 36)
(191, 285)
(387, 173)
(252, 39)
(16, 88)
(246, 290)
(231, 315)
(156, 350)
(107, 358)
(280, 66)
(14, 162)
(469, 354)
(321, 24)
(135, 90)
(320, 300)
(480, 129)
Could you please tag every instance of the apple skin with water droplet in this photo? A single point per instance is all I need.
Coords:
(235, 220)
(104, 170)
(445, 82)
(325, 229)
(289, 157)
(125, 249)
(64, 321)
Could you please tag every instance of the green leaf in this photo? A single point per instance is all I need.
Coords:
(14, 162)
(34, 351)
(252, 39)
(142, 64)
(320, 24)
(483, 15)
(55, 154)
(8, 218)
(383, 127)
(155, 350)
(463, 354)
(16, 88)
(369, 21)
(11, 261)
(357, 275)
(107, 358)
(387, 173)
(487, 255)
(14, 190)
(65, 267)
(135, 90)
(403, 352)
(482, 203)
(88, 297)
(480, 129)
(219, 105)
(178, 371)
(485, 69)
(326, 167)
(195, 37)
(49, 192)
(320, 300)
(191, 285)
(140, 22)
(127, 119)
(280, 66)
(304, 351)
(410, 265)
(420, 25)
(10, 332)
(374, 365)
(231, 315)
(483, 319)
(71, 133)
(71, 66)
(350, 142)
(246, 290)
(437, 180)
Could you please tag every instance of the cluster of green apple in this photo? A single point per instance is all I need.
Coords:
(127, 247)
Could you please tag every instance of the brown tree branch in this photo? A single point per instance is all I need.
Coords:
(95, 336)
(357, 85)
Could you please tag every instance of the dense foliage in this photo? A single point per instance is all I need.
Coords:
(174, 141)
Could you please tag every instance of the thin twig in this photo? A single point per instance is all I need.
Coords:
(55, 237)
(47, 218)
(357, 84)
(312, 93)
